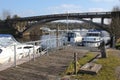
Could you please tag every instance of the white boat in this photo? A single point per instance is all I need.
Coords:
(73, 37)
(93, 38)
(9, 46)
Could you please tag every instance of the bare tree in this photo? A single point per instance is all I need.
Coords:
(6, 14)
(15, 16)
(115, 24)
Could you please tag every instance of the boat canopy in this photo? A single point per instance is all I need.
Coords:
(6, 40)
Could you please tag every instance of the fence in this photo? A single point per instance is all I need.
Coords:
(24, 52)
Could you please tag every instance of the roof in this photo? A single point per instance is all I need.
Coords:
(5, 35)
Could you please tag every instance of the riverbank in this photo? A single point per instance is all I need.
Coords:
(46, 67)
(53, 64)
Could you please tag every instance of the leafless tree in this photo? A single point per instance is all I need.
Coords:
(15, 16)
(115, 24)
(6, 14)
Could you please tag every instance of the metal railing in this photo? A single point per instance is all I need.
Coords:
(25, 52)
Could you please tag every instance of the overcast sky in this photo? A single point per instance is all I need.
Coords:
(25, 8)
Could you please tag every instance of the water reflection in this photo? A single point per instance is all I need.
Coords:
(47, 41)
(29, 38)
(51, 41)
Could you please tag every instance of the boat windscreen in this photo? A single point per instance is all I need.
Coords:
(71, 35)
(6, 41)
(93, 34)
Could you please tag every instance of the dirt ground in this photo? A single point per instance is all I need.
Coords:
(46, 67)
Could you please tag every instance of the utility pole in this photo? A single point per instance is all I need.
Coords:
(67, 21)
(57, 35)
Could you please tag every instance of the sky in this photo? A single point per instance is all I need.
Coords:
(26, 8)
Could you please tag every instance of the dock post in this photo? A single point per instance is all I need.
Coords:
(75, 63)
(29, 55)
(33, 51)
(102, 50)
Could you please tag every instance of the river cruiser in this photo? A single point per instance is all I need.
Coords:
(9, 47)
(93, 38)
(73, 37)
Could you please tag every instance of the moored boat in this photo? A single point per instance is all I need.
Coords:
(9, 47)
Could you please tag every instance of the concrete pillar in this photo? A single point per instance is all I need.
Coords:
(113, 41)
(91, 19)
(102, 21)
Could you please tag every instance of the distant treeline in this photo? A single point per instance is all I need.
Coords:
(63, 25)
(6, 28)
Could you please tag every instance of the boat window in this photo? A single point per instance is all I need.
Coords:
(0, 50)
(19, 48)
(77, 34)
(93, 34)
(89, 42)
(27, 47)
(71, 35)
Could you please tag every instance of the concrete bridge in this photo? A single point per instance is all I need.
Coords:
(28, 23)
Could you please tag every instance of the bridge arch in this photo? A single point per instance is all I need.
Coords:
(33, 25)
(53, 17)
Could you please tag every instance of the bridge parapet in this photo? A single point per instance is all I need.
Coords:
(82, 15)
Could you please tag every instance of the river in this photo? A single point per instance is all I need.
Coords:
(29, 38)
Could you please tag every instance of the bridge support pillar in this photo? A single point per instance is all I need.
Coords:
(102, 21)
(91, 19)
(113, 41)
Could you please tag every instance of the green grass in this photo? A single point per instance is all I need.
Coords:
(117, 46)
(82, 61)
(107, 72)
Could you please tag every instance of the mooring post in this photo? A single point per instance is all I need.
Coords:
(14, 55)
(75, 63)
(33, 51)
(103, 50)
(29, 55)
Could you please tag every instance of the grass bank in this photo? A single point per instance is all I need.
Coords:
(80, 62)
(107, 72)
